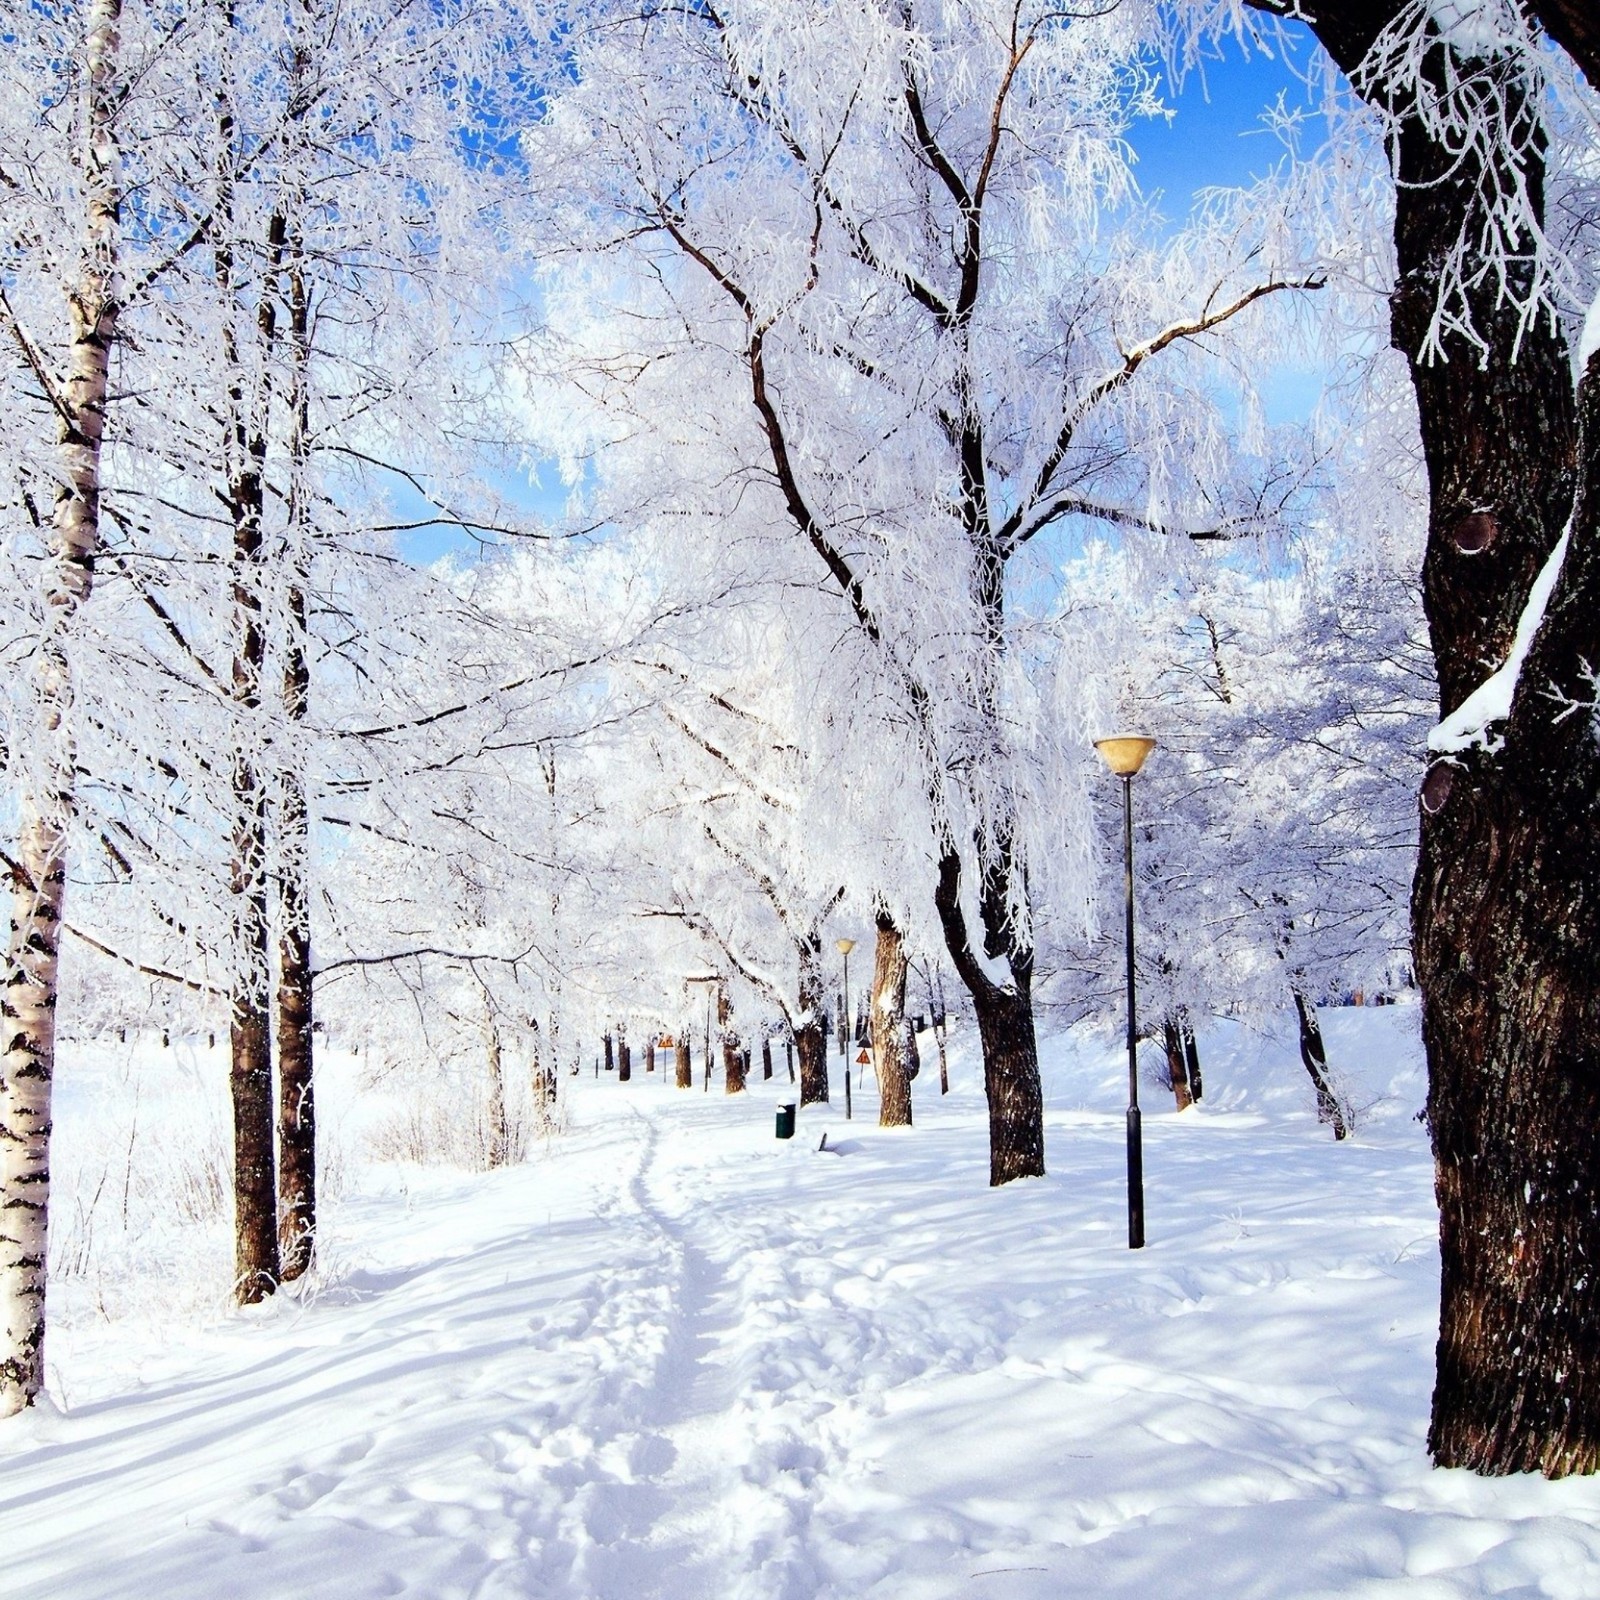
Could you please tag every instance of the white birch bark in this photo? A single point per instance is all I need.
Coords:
(27, 1063)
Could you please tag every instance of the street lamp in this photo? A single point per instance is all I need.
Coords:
(1124, 754)
(845, 947)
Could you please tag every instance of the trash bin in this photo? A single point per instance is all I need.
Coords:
(786, 1121)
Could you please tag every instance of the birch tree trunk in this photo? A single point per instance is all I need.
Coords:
(887, 1023)
(46, 800)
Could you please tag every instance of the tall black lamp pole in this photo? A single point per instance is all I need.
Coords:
(845, 947)
(1125, 755)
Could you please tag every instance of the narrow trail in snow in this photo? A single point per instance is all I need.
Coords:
(693, 1439)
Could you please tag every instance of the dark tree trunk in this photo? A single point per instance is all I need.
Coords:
(1314, 1057)
(624, 1057)
(1177, 1062)
(811, 1046)
(297, 1120)
(611, 1064)
(887, 1014)
(650, 1051)
(788, 1055)
(1504, 905)
(255, 1232)
(733, 1064)
(1005, 1034)
(811, 1037)
(766, 1058)
(244, 451)
(681, 1061)
(1191, 1057)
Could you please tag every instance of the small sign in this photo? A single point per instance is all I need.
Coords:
(863, 1059)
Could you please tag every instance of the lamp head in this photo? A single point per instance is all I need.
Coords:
(1125, 753)
(845, 946)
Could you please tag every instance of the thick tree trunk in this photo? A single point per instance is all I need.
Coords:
(624, 1057)
(1177, 1062)
(611, 1064)
(1504, 903)
(1005, 1033)
(45, 800)
(683, 1065)
(733, 1057)
(766, 1057)
(888, 1014)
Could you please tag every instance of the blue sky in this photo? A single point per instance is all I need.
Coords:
(1216, 137)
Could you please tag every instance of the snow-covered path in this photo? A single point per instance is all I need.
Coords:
(674, 1357)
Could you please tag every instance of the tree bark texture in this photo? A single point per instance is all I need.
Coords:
(888, 1016)
(257, 1266)
(1191, 1058)
(611, 1065)
(811, 1037)
(1005, 1033)
(1506, 900)
(46, 795)
(1314, 1058)
(681, 1062)
(766, 1057)
(732, 1047)
(624, 1057)
(296, 1042)
(1177, 1062)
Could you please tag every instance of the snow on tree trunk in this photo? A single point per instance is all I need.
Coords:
(46, 798)
(256, 1259)
(732, 1047)
(1191, 1057)
(1005, 1034)
(1506, 899)
(297, 1122)
(681, 1062)
(499, 1129)
(887, 1014)
(810, 1037)
(1314, 1057)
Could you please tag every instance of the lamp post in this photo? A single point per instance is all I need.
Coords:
(1125, 754)
(845, 947)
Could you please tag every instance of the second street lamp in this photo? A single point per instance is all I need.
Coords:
(1125, 754)
(845, 947)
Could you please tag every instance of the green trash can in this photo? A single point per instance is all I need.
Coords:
(786, 1121)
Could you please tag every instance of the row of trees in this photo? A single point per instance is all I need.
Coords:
(907, 450)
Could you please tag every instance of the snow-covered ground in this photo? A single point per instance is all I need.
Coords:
(672, 1356)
